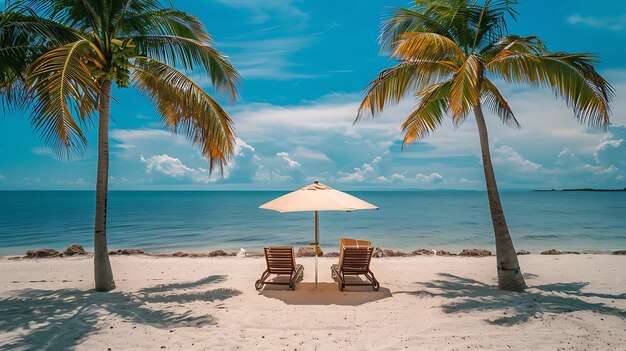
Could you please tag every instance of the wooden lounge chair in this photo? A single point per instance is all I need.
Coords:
(343, 242)
(280, 261)
(354, 261)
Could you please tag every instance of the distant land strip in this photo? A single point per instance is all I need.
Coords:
(585, 189)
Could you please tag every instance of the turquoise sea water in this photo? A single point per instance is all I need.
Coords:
(169, 221)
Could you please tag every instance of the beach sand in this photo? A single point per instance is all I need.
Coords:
(575, 302)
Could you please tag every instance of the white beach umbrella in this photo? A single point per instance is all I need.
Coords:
(317, 197)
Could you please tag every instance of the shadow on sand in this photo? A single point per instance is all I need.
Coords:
(325, 294)
(61, 319)
(471, 295)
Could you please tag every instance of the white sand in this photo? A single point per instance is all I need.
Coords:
(576, 302)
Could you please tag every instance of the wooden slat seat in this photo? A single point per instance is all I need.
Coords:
(355, 261)
(280, 260)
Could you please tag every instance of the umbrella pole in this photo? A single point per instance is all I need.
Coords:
(316, 243)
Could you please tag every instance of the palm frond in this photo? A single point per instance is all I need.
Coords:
(134, 16)
(404, 21)
(419, 46)
(23, 37)
(161, 21)
(429, 113)
(61, 83)
(397, 82)
(186, 108)
(458, 15)
(490, 22)
(191, 53)
(513, 44)
(83, 16)
(570, 76)
(465, 91)
(469, 24)
(494, 101)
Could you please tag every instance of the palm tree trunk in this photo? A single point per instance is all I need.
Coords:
(102, 267)
(509, 273)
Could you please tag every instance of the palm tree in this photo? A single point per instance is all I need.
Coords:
(83, 47)
(451, 54)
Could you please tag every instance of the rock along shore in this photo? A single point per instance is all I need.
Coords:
(305, 251)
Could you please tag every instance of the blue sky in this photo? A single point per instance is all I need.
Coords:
(304, 65)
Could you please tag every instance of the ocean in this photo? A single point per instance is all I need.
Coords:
(195, 221)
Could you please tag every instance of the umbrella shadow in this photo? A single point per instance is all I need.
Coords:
(467, 295)
(61, 319)
(306, 293)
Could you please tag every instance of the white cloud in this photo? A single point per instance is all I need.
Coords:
(263, 11)
(606, 145)
(42, 151)
(119, 180)
(507, 157)
(352, 177)
(80, 182)
(613, 23)
(304, 153)
(130, 144)
(567, 159)
(290, 163)
(241, 146)
(140, 134)
(264, 175)
(383, 179)
(362, 173)
(270, 59)
(570, 166)
(30, 181)
(434, 177)
(311, 121)
(598, 170)
(398, 177)
(165, 164)
(133, 144)
(174, 168)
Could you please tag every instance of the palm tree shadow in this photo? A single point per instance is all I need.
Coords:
(466, 295)
(184, 285)
(62, 319)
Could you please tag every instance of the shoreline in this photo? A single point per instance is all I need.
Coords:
(453, 251)
(76, 250)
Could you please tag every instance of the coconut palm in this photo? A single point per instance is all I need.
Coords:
(91, 45)
(451, 56)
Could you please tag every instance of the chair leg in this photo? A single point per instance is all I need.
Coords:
(335, 273)
(301, 274)
(261, 282)
(295, 276)
(372, 279)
